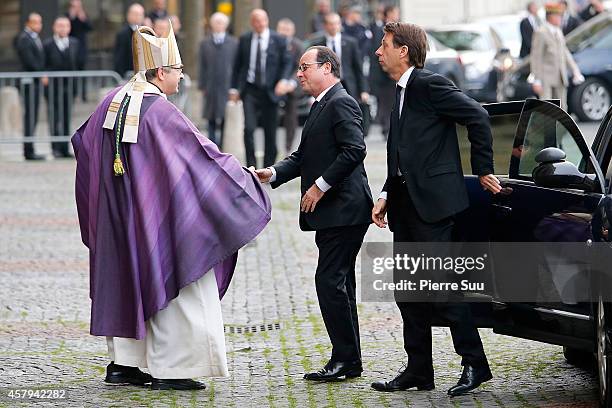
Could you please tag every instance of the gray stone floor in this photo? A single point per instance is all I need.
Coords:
(44, 318)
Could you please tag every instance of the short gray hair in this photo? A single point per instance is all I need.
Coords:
(325, 54)
(223, 18)
(151, 74)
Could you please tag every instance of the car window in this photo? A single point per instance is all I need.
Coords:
(463, 40)
(579, 40)
(604, 41)
(542, 132)
(503, 129)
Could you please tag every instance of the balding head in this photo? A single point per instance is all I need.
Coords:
(333, 24)
(135, 14)
(34, 22)
(259, 20)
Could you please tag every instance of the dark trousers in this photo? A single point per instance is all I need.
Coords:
(290, 120)
(31, 100)
(259, 108)
(213, 135)
(60, 94)
(335, 284)
(417, 316)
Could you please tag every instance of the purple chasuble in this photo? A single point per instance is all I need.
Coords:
(181, 209)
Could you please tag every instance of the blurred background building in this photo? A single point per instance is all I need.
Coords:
(107, 17)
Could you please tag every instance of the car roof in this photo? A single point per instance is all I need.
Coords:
(477, 27)
(606, 15)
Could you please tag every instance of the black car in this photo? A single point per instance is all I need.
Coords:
(569, 197)
(591, 46)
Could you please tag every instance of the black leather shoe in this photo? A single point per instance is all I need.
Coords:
(404, 381)
(35, 157)
(334, 370)
(471, 378)
(118, 374)
(182, 384)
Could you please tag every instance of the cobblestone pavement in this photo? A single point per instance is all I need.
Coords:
(44, 319)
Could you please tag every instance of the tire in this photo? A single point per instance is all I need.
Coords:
(591, 100)
(579, 358)
(604, 352)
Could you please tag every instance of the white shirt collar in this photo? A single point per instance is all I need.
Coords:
(322, 94)
(403, 81)
(335, 38)
(265, 34)
(553, 28)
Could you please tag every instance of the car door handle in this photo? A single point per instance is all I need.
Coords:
(502, 210)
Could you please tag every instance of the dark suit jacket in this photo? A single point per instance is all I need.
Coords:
(31, 56)
(425, 141)
(216, 65)
(56, 60)
(278, 63)
(123, 60)
(526, 36)
(352, 78)
(332, 147)
(570, 24)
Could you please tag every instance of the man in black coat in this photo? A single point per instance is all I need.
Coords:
(217, 56)
(527, 26)
(261, 73)
(123, 61)
(568, 22)
(61, 54)
(424, 189)
(32, 56)
(336, 202)
(347, 49)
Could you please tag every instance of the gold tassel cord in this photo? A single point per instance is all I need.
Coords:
(118, 166)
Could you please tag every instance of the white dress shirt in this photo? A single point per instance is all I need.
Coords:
(320, 182)
(62, 43)
(403, 81)
(265, 39)
(337, 44)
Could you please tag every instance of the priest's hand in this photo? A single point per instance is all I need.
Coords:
(311, 198)
(378, 213)
(263, 175)
(491, 183)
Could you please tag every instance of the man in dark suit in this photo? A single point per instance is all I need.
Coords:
(425, 189)
(123, 62)
(527, 26)
(295, 48)
(261, 72)
(568, 21)
(347, 49)
(32, 56)
(61, 54)
(336, 202)
(217, 55)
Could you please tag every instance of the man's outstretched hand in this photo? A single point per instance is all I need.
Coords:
(263, 175)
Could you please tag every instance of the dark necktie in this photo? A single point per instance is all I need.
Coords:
(333, 45)
(258, 77)
(398, 99)
(312, 108)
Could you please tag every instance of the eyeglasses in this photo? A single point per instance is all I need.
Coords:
(303, 67)
(179, 69)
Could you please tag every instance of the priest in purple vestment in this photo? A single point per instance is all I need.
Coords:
(163, 214)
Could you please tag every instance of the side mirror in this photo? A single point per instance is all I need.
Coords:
(555, 172)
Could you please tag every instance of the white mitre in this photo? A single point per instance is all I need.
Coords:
(149, 51)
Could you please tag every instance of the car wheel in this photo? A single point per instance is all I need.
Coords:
(591, 100)
(579, 358)
(604, 353)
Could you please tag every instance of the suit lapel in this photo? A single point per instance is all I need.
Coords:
(315, 113)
